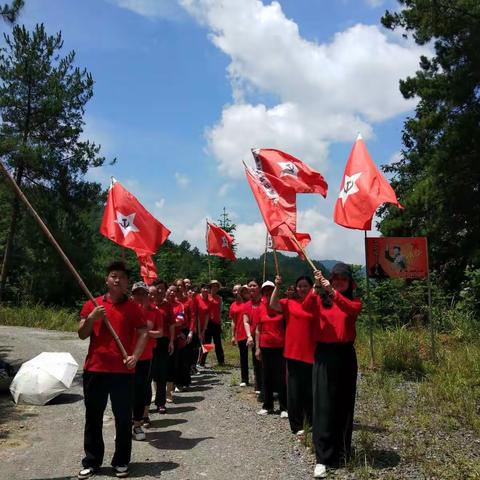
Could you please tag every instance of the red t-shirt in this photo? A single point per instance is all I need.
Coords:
(188, 309)
(299, 339)
(153, 315)
(215, 308)
(271, 327)
(235, 314)
(103, 354)
(179, 317)
(251, 309)
(201, 313)
(335, 324)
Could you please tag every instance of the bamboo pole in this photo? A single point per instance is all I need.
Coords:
(275, 258)
(430, 316)
(265, 259)
(69, 265)
(297, 243)
(369, 309)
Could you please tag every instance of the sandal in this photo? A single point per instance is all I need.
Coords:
(86, 473)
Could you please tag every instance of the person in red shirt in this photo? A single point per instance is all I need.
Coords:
(335, 366)
(250, 320)
(239, 335)
(165, 344)
(200, 318)
(106, 373)
(299, 350)
(214, 328)
(143, 381)
(270, 340)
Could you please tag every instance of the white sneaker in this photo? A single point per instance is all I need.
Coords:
(283, 414)
(243, 384)
(138, 433)
(178, 389)
(121, 472)
(257, 392)
(263, 411)
(320, 471)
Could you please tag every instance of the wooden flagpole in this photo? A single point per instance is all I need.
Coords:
(52, 240)
(430, 316)
(275, 258)
(208, 254)
(369, 308)
(265, 259)
(297, 243)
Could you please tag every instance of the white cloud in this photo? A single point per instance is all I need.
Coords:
(224, 189)
(250, 239)
(167, 9)
(375, 3)
(159, 204)
(326, 92)
(182, 180)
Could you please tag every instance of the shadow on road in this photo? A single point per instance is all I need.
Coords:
(175, 410)
(200, 388)
(172, 440)
(167, 422)
(190, 399)
(66, 398)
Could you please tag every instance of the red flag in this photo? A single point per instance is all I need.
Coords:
(288, 245)
(363, 190)
(126, 222)
(219, 242)
(276, 201)
(207, 347)
(148, 270)
(291, 170)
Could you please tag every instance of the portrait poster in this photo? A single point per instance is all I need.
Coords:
(397, 257)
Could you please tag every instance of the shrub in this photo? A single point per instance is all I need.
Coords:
(401, 352)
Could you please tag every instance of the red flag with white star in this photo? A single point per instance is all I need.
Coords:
(362, 191)
(219, 242)
(290, 170)
(126, 222)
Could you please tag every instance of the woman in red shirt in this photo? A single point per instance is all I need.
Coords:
(239, 335)
(270, 340)
(214, 328)
(299, 350)
(200, 318)
(335, 366)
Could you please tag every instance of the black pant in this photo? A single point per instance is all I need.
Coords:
(194, 350)
(273, 365)
(299, 394)
(160, 369)
(142, 389)
(257, 372)
(214, 331)
(242, 347)
(334, 388)
(97, 386)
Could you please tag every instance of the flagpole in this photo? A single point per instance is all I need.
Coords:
(430, 316)
(265, 259)
(55, 244)
(208, 254)
(297, 243)
(369, 310)
(275, 258)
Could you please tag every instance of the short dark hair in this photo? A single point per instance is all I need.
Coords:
(160, 281)
(205, 285)
(306, 278)
(118, 266)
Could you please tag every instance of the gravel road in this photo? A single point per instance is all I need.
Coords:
(208, 433)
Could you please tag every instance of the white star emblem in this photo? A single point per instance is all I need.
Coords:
(224, 242)
(288, 168)
(125, 222)
(349, 187)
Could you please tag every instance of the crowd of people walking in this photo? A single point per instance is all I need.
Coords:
(301, 350)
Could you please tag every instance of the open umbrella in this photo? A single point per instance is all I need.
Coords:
(43, 378)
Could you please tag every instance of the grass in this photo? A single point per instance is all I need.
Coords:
(39, 316)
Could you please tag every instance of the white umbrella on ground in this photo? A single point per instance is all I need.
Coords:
(43, 378)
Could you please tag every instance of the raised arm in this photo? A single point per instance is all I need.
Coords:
(85, 327)
(274, 299)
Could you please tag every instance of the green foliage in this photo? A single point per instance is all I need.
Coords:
(401, 353)
(38, 316)
(42, 103)
(438, 176)
(10, 11)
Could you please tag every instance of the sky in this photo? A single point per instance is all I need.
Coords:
(184, 89)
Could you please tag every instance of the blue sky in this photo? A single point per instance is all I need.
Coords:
(184, 89)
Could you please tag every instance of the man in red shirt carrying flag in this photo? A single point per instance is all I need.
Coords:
(106, 373)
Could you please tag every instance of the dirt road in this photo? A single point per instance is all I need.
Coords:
(208, 433)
